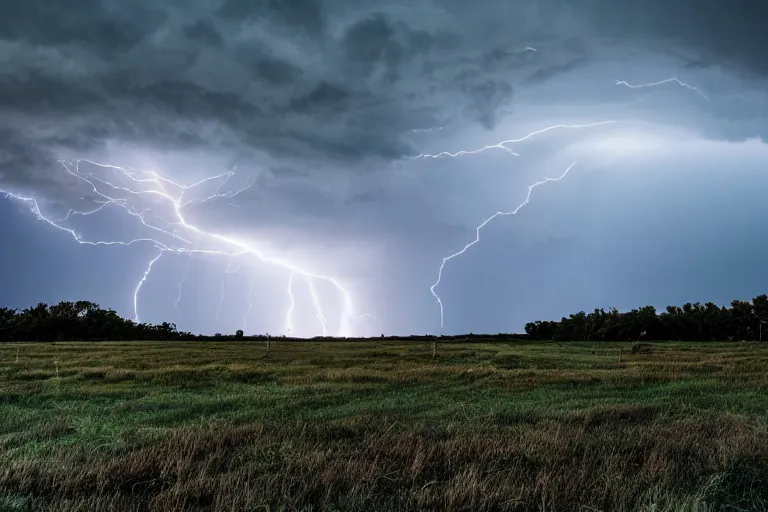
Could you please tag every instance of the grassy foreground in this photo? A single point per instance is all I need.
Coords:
(382, 426)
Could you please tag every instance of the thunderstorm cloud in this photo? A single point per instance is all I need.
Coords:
(324, 112)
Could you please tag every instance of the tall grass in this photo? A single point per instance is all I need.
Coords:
(550, 427)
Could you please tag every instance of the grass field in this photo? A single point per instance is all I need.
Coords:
(383, 426)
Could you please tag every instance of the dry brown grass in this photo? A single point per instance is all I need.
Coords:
(372, 428)
(606, 460)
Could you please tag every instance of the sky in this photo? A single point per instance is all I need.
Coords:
(309, 167)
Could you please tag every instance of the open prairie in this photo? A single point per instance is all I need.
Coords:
(383, 426)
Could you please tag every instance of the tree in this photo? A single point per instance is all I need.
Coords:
(691, 321)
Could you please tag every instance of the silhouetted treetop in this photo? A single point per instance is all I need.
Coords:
(702, 322)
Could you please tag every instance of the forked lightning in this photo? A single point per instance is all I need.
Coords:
(179, 231)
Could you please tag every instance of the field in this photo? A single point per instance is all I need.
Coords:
(383, 426)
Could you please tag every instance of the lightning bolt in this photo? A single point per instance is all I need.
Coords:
(291, 305)
(503, 144)
(181, 284)
(662, 82)
(221, 300)
(141, 283)
(427, 130)
(35, 207)
(318, 309)
(477, 235)
(174, 196)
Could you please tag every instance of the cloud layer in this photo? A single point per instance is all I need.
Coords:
(312, 80)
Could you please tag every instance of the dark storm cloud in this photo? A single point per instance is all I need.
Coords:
(488, 96)
(87, 22)
(546, 73)
(287, 172)
(325, 83)
(729, 32)
(275, 77)
(305, 14)
(203, 31)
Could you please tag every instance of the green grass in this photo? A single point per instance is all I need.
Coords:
(383, 426)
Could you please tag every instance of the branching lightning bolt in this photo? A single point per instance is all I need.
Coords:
(503, 144)
(477, 235)
(662, 82)
(171, 194)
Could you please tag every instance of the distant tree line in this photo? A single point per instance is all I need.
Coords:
(81, 320)
(86, 321)
(743, 320)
